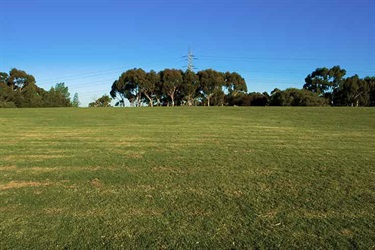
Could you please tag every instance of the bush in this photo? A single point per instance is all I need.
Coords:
(7, 105)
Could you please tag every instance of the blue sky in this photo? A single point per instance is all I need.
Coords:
(88, 44)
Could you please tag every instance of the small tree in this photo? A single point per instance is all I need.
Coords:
(61, 88)
(75, 101)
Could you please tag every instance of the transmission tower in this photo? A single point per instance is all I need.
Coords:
(190, 59)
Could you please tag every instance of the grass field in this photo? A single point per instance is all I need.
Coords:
(187, 178)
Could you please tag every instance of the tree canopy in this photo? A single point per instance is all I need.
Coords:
(102, 102)
(338, 90)
(18, 89)
(171, 87)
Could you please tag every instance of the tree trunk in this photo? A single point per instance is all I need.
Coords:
(171, 95)
(136, 101)
(189, 101)
(150, 99)
(172, 98)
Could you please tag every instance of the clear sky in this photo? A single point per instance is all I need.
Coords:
(272, 43)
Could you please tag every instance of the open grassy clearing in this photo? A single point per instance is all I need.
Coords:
(187, 178)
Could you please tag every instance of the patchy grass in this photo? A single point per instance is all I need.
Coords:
(22, 184)
(183, 178)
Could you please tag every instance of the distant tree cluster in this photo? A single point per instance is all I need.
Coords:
(172, 87)
(340, 91)
(288, 97)
(19, 90)
(102, 102)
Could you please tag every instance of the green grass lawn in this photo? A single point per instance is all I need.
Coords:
(187, 178)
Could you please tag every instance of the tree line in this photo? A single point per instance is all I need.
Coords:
(174, 87)
(171, 87)
(19, 90)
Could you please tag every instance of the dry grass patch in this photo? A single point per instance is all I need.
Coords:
(22, 184)
(7, 168)
(43, 156)
(41, 169)
(199, 213)
(346, 232)
(57, 168)
(131, 212)
(56, 133)
(53, 211)
(96, 183)
(32, 134)
(274, 128)
(122, 143)
(8, 209)
(334, 214)
(134, 155)
(28, 157)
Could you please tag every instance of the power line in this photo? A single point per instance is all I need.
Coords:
(91, 93)
(190, 65)
(265, 59)
(89, 74)
(80, 76)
